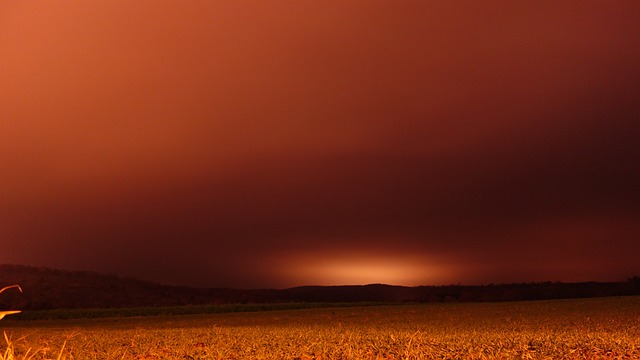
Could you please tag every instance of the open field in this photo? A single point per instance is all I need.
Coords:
(571, 329)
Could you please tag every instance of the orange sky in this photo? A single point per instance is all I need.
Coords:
(273, 144)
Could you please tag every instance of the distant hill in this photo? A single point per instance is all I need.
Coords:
(46, 288)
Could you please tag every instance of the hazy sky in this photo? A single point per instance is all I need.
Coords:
(281, 143)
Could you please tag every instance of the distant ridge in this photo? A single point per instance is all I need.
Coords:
(46, 288)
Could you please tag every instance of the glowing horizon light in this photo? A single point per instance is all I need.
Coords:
(366, 269)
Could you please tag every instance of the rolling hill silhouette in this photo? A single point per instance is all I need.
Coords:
(45, 288)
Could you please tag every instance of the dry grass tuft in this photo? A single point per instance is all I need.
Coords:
(9, 312)
(10, 352)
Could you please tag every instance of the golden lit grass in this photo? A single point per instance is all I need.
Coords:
(9, 312)
(561, 329)
(10, 354)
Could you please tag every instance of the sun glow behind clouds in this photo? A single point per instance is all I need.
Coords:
(362, 269)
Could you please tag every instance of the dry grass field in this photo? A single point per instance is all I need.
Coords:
(559, 329)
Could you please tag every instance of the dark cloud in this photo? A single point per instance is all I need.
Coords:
(243, 146)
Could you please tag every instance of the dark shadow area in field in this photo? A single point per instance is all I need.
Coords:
(60, 294)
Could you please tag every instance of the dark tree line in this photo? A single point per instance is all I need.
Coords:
(56, 289)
